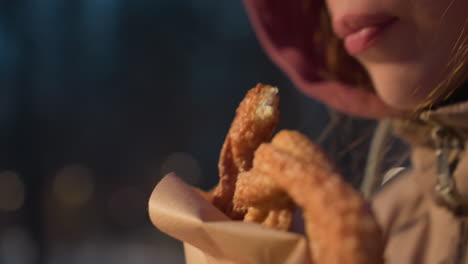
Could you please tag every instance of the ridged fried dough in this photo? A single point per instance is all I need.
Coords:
(339, 224)
(258, 193)
(254, 123)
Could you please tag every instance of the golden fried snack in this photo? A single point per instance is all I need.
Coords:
(262, 198)
(263, 201)
(253, 187)
(339, 224)
(300, 147)
(254, 123)
(274, 218)
(291, 171)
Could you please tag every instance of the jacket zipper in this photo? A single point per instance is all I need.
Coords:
(448, 149)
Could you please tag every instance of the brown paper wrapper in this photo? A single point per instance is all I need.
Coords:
(211, 237)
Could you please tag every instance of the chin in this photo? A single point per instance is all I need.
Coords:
(399, 101)
(401, 92)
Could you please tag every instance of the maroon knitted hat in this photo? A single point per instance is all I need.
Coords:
(284, 29)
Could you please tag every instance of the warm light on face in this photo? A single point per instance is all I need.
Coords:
(409, 57)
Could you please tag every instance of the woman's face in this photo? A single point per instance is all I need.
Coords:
(405, 45)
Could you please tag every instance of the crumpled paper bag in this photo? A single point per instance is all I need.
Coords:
(211, 237)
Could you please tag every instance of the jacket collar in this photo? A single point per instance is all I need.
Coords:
(436, 133)
(417, 132)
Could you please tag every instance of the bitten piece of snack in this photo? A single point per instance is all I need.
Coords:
(254, 123)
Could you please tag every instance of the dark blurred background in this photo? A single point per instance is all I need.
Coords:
(100, 98)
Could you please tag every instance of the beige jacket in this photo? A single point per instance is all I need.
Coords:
(420, 225)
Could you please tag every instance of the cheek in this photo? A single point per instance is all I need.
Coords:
(417, 55)
(414, 56)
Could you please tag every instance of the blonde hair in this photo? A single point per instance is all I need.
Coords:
(457, 77)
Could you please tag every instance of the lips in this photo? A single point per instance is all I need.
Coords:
(359, 32)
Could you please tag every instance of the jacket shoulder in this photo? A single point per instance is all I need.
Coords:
(398, 201)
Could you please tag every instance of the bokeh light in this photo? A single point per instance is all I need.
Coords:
(73, 186)
(98, 99)
(184, 165)
(11, 191)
